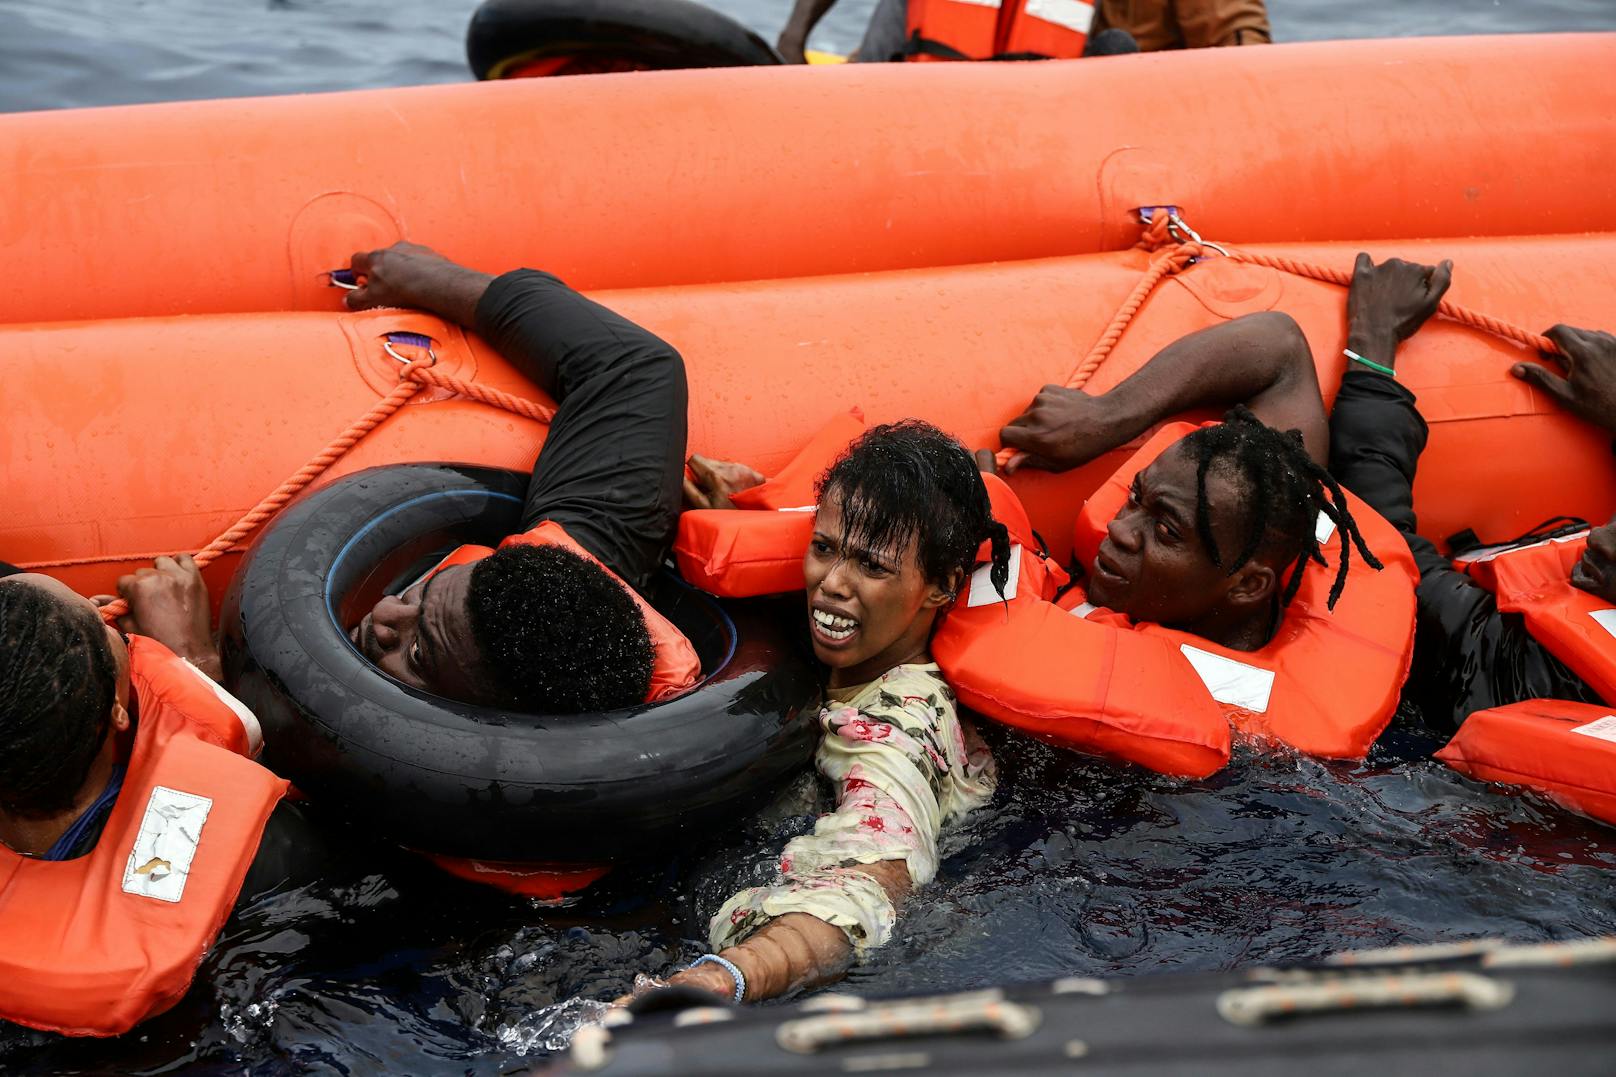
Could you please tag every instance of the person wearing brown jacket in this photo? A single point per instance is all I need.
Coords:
(1184, 24)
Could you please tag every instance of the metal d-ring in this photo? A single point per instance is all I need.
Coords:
(420, 341)
(1177, 225)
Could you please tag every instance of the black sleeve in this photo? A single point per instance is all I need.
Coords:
(1467, 655)
(611, 466)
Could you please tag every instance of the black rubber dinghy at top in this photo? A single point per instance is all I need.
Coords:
(513, 38)
(446, 777)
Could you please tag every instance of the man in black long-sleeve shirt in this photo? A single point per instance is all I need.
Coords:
(1469, 655)
(541, 627)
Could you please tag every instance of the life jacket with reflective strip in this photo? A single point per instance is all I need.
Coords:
(94, 945)
(675, 666)
(1090, 679)
(995, 30)
(1535, 581)
(1563, 749)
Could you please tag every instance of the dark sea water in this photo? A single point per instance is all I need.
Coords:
(1078, 868)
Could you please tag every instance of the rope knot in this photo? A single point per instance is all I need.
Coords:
(1156, 234)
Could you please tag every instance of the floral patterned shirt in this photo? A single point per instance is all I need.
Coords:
(903, 766)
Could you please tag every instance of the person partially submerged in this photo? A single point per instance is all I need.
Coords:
(1469, 654)
(132, 817)
(554, 622)
(1218, 529)
(901, 516)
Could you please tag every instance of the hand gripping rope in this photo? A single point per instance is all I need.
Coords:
(415, 375)
(1174, 246)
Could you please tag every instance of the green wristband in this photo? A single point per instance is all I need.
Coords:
(1370, 363)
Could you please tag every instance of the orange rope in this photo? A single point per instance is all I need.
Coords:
(412, 380)
(1171, 256)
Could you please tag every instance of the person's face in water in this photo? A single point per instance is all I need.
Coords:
(423, 636)
(1595, 571)
(868, 610)
(1152, 565)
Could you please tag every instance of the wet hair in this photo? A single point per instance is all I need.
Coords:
(910, 481)
(557, 633)
(58, 684)
(1286, 490)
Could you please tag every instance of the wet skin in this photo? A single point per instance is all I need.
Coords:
(1595, 571)
(423, 637)
(1153, 566)
(879, 604)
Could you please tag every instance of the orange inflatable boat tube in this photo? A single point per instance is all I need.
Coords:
(687, 177)
(127, 439)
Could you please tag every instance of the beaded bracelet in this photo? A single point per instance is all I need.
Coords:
(729, 967)
(1370, 363)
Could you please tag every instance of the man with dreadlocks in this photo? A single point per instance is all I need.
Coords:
(1217, 529)
(1470, 654)
(132, 817)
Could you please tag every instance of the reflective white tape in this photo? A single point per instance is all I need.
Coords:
(1487, 553)
(170, 831)
(1605, 619)
(800, 508)
(981, 3)
(1234, 683)
(1083, 609)
(1602, 728)
(1323, 528)
(982, 592)
(1072, 14)
(248, 720)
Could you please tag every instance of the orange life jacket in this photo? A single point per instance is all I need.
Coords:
(997, 29)
(675, 666)
(759, 552)
(1566, 750)
(94, 945)
(1535, 581)
(1327, 683)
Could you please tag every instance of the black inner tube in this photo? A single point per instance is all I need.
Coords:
(460, 780)
(608, 35)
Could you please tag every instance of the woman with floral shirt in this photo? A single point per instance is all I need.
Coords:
(901, 516)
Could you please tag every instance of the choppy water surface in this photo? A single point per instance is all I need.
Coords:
(1078, 867)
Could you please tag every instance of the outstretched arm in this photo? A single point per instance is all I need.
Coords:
(1260, 360)
(903, 766)
(612, 462)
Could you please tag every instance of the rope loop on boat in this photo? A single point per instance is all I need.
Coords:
(1257, 1005)
(1174, 246)
(415, 375)
(985, 1011)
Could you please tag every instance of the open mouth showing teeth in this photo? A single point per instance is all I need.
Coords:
(834, 627)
